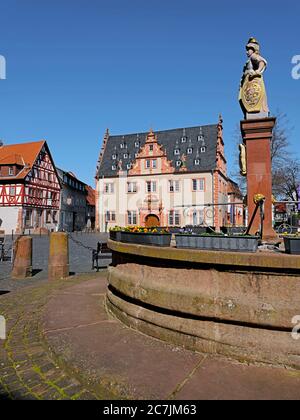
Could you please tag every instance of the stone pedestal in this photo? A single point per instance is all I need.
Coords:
(58, 265)
(257, 135)
(22, 267)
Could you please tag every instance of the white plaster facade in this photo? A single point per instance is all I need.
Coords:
(118, 201)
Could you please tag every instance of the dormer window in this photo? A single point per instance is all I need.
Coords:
(11, 171)
(114, 157)
(129, 166)
(197, 162)
(151, 148)
(114, 167)
(137, 144)
(122, 146)
(189, 151)
(125, 155)
(200, 137)
(176, 152)
(178, 163)
(183, 139)
(203, 149)
(136, 155)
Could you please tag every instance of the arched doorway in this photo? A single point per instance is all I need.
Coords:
(152, 221)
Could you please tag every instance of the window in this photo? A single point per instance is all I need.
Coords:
(28, 217)
(174, 186)
(198, 217)
(110, 216)
(178, 163)
(151, 148)
(125, 155)
(131, 187)
(12, 191)
(10, 171)
(183, 139)
(203, 149)
(199, 184)
(132, 219)
(109, 188)
(154, 164)
(114, 167)
(128, 166)
(114, 157)
(136, 155)
(48, 216)
(200, 137)
(148, 164)
(197, 162)
(174, 218)
(176, 152)
(151, 186)
(55, 217)
(189, 151)
(137, 144)
(122, 146)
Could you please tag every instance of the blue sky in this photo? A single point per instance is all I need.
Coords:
(76, 67)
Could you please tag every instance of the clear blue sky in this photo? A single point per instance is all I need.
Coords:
(75, 67)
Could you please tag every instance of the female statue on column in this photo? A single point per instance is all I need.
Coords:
(253, 97)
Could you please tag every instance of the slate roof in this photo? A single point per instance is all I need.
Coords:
(170, 140)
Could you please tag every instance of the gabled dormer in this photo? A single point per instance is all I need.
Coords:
(151, 158)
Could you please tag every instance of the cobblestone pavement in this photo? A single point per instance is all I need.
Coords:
(80, 259)
(27, 368)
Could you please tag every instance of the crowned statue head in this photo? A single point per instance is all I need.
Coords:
(252, 47)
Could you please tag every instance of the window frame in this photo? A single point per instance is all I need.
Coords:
(153, 187)
(133, 184)
(199, 182)
(132, 217)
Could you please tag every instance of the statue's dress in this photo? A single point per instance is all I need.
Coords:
(252, 96)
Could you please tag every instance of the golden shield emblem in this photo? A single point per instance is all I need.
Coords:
(252, 94)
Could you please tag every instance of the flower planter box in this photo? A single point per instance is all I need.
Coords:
(218, 243)
(292, 245)
(153, 239)
(115, 235)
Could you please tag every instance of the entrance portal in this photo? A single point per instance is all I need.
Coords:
(152, 221)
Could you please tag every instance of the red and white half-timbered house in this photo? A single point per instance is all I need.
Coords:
(29, 188)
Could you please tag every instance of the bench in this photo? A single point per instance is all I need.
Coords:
(102, 252)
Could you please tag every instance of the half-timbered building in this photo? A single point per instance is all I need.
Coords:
(29, 188)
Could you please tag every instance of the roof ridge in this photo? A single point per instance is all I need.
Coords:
(165, 131)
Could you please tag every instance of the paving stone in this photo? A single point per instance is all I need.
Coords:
(51, 395)
(87, 396)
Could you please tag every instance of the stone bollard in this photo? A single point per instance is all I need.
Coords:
(22, 266)
(58, 263)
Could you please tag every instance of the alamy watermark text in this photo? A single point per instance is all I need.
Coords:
(296, 329)
(296, 68)
(2, 68)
